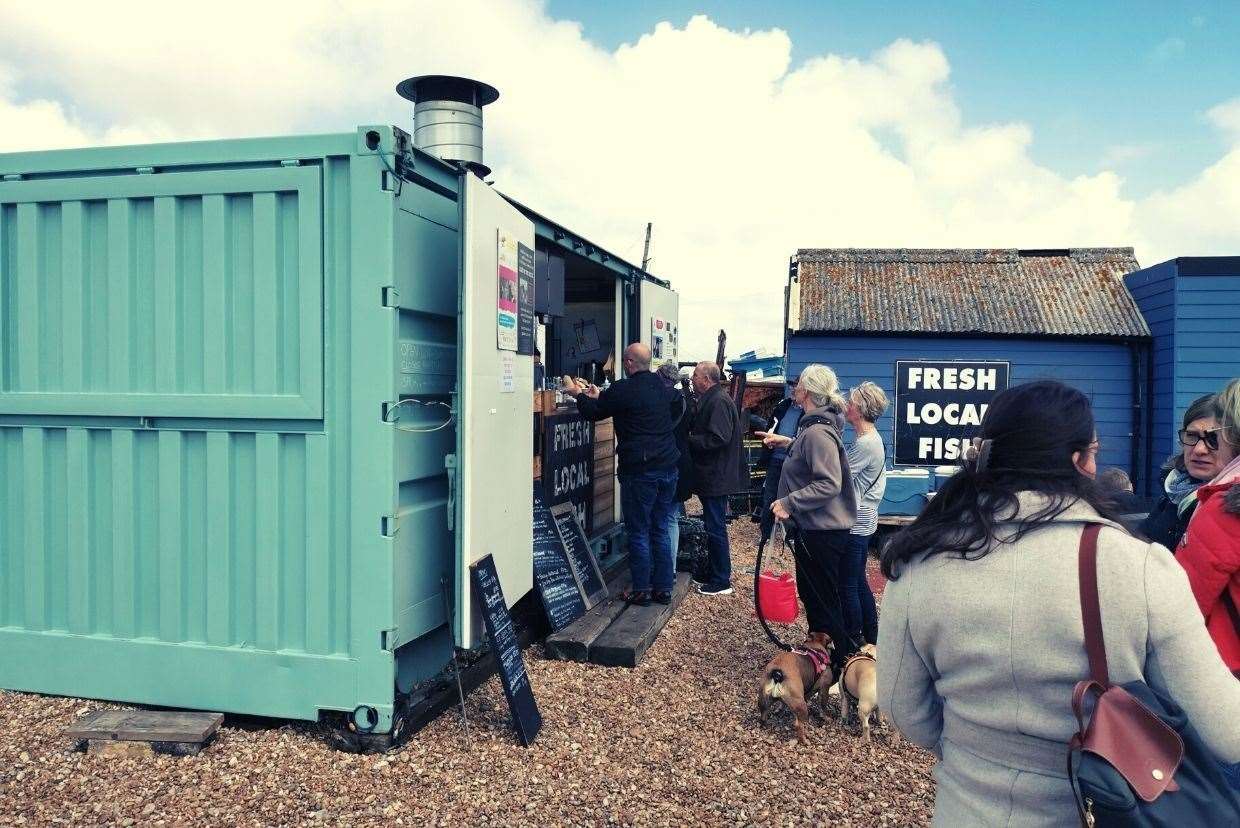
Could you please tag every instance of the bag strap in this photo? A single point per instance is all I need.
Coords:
(1091, 613)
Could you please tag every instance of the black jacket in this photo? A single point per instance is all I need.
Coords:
(641, 407)
(682, 417)
(1165, 525)
(781, 408)
(715, 444)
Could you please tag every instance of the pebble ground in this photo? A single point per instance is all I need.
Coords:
(673, 742)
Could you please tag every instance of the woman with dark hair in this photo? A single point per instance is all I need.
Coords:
(1196, 463)
(980, 641)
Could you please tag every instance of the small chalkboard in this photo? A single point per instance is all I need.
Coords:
(557, 585)
(580, 558)
(503, 636)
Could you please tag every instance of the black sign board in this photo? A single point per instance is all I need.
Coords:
(553, 575)
(503, 636)
(568, 464)
(580, 558)
(525, 300)
(939, 406)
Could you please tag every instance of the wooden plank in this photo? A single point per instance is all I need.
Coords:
(573, 642)
(604, 450)
(625, 642)
(146, 726)
(604, 467)
(604, 430)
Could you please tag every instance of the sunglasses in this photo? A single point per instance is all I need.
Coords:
(1192, 438)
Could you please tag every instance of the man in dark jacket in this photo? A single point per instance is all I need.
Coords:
(783, 421)
(647, 455)
(715, 444)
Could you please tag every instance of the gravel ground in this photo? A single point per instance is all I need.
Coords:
(674, 741)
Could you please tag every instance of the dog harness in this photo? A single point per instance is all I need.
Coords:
(853, 659)
(818, 658)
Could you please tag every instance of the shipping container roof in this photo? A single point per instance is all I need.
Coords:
(1075, 292)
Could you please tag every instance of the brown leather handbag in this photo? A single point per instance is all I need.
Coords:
(1136, 759)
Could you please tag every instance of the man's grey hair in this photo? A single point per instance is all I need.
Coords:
(870, 400)
(822, 387)
(670, 372)
(710, 371)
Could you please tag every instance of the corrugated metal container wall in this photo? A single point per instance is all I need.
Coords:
(194, 470)
(1192, 305)
(1102, 370)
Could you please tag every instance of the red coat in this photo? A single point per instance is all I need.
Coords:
(1210, 553)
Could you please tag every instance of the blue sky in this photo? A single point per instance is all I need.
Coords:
(1120, 85)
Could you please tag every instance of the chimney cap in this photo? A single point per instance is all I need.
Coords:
(447, 88)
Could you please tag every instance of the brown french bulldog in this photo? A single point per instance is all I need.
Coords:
(859, 680)
(793, 678)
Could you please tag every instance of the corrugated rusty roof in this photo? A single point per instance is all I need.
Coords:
(1076, 292)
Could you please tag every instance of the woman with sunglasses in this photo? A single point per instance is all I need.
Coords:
(1210, 552)
(1196, 463)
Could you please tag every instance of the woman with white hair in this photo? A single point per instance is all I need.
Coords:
(818, 505)
(867, 464)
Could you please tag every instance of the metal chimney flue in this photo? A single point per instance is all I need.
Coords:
(447, 117)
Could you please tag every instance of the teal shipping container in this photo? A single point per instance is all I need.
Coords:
(238, 468)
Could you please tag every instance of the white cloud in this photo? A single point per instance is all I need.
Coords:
(1169, 49)
(736, 155)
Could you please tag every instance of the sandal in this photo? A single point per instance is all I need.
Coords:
(638, 599)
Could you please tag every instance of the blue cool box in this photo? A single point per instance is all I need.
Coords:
(907, 492)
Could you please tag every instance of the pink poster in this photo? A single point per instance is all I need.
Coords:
(506, 305)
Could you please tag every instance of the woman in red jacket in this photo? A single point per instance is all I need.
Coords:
(1210, 551)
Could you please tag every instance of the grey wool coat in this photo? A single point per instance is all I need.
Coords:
(977, 661)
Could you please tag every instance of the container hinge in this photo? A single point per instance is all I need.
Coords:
(390, 297)
(12, 177)
(291, 162)
(388, 526)
(449, 464)
(386, 639)
(144, 170)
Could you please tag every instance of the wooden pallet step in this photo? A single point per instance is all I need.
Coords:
(625, 642)
(573, 642)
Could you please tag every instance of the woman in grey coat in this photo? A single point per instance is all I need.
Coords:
(980, 640)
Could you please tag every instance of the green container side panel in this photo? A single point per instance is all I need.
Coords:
(202, 502)
(179, 294)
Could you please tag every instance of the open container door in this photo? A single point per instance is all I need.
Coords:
(494, 478)
(658, 320)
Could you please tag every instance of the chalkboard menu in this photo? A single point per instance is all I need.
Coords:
(503, 636)
(557, 585)
(580, 558)
(568, 463)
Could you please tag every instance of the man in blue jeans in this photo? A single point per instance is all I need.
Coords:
(640, 405)
(715, 445)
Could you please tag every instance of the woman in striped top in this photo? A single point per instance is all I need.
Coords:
(866, 460)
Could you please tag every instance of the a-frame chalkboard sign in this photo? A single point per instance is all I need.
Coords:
(573, 535)
(553, 574)
(503, 636)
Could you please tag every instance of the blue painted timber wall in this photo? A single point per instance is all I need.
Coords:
(1102, 369)
(1192, 305)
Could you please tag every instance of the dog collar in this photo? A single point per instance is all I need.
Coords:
(853, 659)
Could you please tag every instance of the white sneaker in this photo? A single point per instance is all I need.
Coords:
(703, 589)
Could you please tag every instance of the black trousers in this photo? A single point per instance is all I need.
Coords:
(820, 561)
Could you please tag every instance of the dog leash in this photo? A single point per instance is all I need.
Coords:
(791, 545)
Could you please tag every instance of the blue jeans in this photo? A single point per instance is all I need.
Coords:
(1232, 774)
(673, 528)
(860, 614)
(714, 514)
(647, 499)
